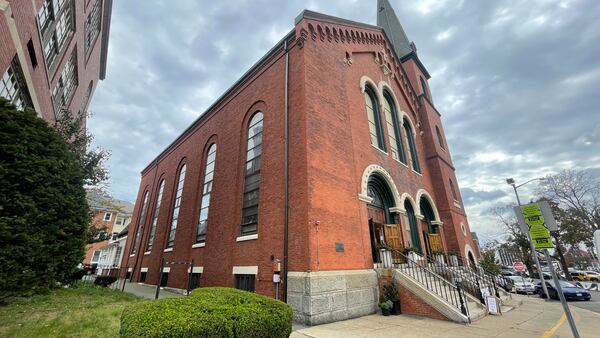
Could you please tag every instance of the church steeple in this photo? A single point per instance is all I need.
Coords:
(387, 19)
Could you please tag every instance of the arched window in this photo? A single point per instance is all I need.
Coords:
(209, 170)
(411, 145)
(391, 118)
(452, 189)
(252, 180)
(140, 227)
(428, 215)
(177, 205)
(439, 137)
(424, 87)
(374, 120)
(161, 188)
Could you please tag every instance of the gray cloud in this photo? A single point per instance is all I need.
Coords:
(516, 84)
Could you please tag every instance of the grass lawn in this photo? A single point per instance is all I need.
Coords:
(83, 311)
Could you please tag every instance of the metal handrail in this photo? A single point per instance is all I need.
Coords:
(449, 292)
(477, 276)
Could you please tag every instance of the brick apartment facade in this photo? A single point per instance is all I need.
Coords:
(53, 52)
(346, 170)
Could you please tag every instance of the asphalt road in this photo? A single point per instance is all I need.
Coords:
(592, 305)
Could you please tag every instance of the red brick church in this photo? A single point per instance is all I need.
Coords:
(327, 151)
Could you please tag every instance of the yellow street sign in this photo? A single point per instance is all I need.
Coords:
(540, 236)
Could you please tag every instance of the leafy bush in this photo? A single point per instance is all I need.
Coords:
(43, 210)
(209, 312)
(105, 280)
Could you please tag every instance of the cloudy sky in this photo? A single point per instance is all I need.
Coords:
(517, 82)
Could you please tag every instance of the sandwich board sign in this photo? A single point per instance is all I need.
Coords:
(537, 219)
(492, 305)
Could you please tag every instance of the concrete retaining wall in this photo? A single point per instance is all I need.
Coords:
(330, 296)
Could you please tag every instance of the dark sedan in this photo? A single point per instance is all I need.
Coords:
(571, 292)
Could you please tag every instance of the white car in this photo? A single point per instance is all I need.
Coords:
(520, 284)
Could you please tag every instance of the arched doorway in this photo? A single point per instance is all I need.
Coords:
(413, 229)
(471, 260)
(431, 236)
(383, 228)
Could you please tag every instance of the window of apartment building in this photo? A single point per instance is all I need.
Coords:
(117, 260)
(67, 83)
(245, 282)
(120, 220)
(107, 216)
(177, 206)
(31, 52)
(161, 188)
(209, 170)
(96, 256)
(115, 236)
(61, 31)
(195, 280)
(391, 118)
(92, 26)
(374, 119)
(45, 15)
(140, 225)
(411, 145)
(252, 179)
(13, 87)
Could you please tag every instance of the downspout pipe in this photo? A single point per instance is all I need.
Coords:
(285, 172)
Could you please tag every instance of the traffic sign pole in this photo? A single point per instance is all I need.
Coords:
(561, 296)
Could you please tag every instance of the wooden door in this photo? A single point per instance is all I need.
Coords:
(394, 240)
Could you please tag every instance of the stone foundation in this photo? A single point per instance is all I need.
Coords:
(330, 296)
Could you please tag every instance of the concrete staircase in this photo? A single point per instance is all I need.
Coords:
(440, 295)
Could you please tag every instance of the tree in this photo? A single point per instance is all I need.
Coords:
(43, 209)
(578, 193)
(71, 127)
(488, 262)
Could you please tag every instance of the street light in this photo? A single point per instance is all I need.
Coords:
(511, 181)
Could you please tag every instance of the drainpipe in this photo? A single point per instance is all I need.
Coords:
(285, 172)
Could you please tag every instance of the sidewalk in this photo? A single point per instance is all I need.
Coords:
(148, 291)
(535, 318)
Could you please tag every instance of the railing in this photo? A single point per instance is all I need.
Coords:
(452, 293)
(475, 278)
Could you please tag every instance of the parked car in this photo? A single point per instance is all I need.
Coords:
(519, 284)
(571, 291)
(579, 275)
(593, 276)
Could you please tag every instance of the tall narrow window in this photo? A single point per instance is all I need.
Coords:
(424, 86)
(66, 85)
(412, 146)
(209, 171)
(439, 137)
(13, 86)
(140, 226)
(161, 188)
(175, 216)
(374, 120)
(391, 119)
(453, 190)
(252, 180)
(92, 26)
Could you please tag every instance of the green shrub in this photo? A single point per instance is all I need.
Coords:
(209, 312)
(105, 280)
(43, 211)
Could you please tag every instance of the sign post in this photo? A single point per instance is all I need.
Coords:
(539, 223)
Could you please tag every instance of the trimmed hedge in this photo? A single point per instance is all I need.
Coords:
(209, 312)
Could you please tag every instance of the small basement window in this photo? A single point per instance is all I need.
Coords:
(195, 281)
(245, 282)
(164, 279)
(143, 277)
